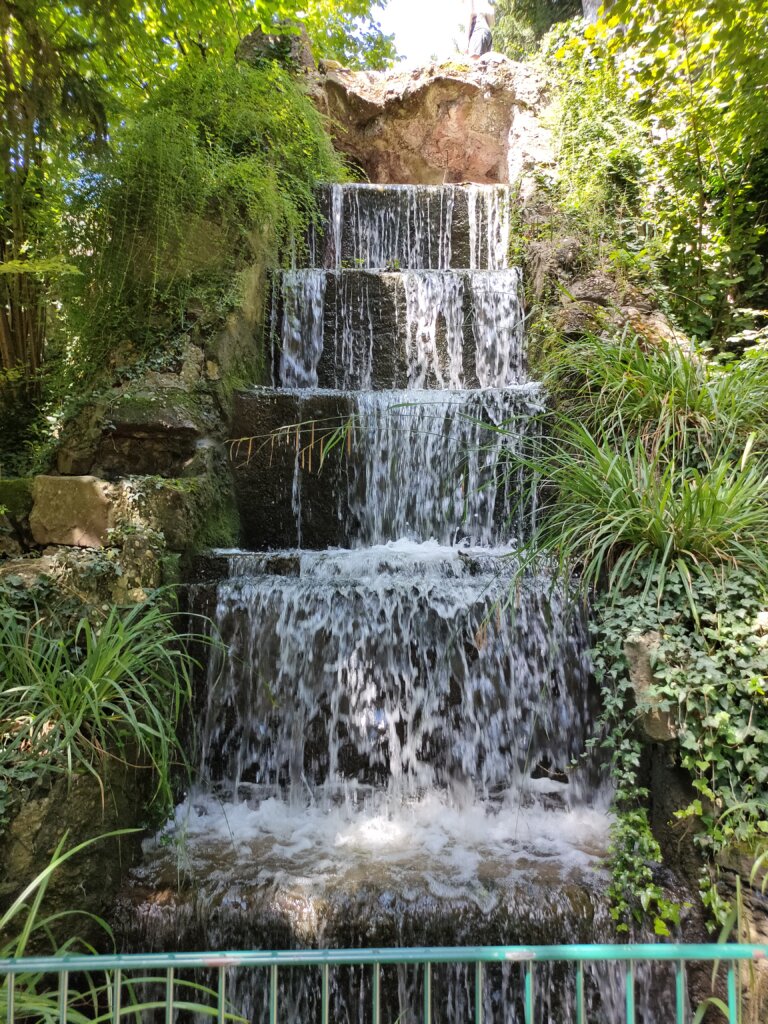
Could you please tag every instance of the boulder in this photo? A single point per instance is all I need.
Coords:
(88, 512)
(76, 511)
(449, 122)
(157, 430)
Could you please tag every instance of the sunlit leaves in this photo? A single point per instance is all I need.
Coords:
(697, 73)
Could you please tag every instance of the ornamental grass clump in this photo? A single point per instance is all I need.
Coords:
(662, 393)
(612, 509)
(651, 463)
(28, 929)
(73, 699)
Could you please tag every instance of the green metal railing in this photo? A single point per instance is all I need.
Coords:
(119, 972)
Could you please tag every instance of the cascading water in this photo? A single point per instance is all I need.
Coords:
(391, 747)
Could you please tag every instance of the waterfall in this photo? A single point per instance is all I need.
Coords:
(392, 734)
(439, 465)
(303, 302)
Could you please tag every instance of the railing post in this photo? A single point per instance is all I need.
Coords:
(10, 980)
(169, 983)
(529, 993)
(222, 996)
(630, 983)
(63, 990)
(325, 995)
(376, 994)
(580, 1019)
(427, 994)
(273, 994)
(733, 1003)
(680, 992)
(479, 992)
(117, 995)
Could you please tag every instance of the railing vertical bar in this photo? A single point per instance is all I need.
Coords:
(479, 992)
(326, 995)
(376, 994)
(273, 994)
(733, 1003)
(169, 984)
(680, 992)
(222, 996)
(630, 985)
(529, 993)
(63, 992)
(427, 994)
(580, 1018)
(10, 980)
(117, 995)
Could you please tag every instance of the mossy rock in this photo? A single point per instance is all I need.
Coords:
(16, 496)
(192, 513)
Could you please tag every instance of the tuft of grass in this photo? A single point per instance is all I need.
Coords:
(653, 464)
(661, 393)
(36, 996)
(72, 700)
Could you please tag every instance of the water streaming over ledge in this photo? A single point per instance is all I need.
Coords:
(392, 745)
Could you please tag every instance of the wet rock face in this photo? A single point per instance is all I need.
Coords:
(455, 121)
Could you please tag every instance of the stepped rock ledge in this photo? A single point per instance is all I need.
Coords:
(447, 122)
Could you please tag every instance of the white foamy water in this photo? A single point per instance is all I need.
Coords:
(417, 329)
(392, 737)
(303, 303)
(449, 847)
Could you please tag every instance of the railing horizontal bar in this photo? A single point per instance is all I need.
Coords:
(347, 957)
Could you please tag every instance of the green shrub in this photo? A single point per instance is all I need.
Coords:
(663, 139)
(612, 509)
(217, 171)
(654, 493)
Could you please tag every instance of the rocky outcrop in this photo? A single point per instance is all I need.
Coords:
(87, 881)
(87, 512)
(585, 298)
(456, 121)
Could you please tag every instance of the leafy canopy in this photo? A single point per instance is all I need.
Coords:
(691, 78)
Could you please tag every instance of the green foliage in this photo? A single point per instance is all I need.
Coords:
(711, 677)
(71, 699)
(71, 77)
(219, 169)
(600, 142)
(687, 123)
(16, 497)
(520, 24)
(663, 393)
(651, 468)
(655, 494)
(347, 32)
